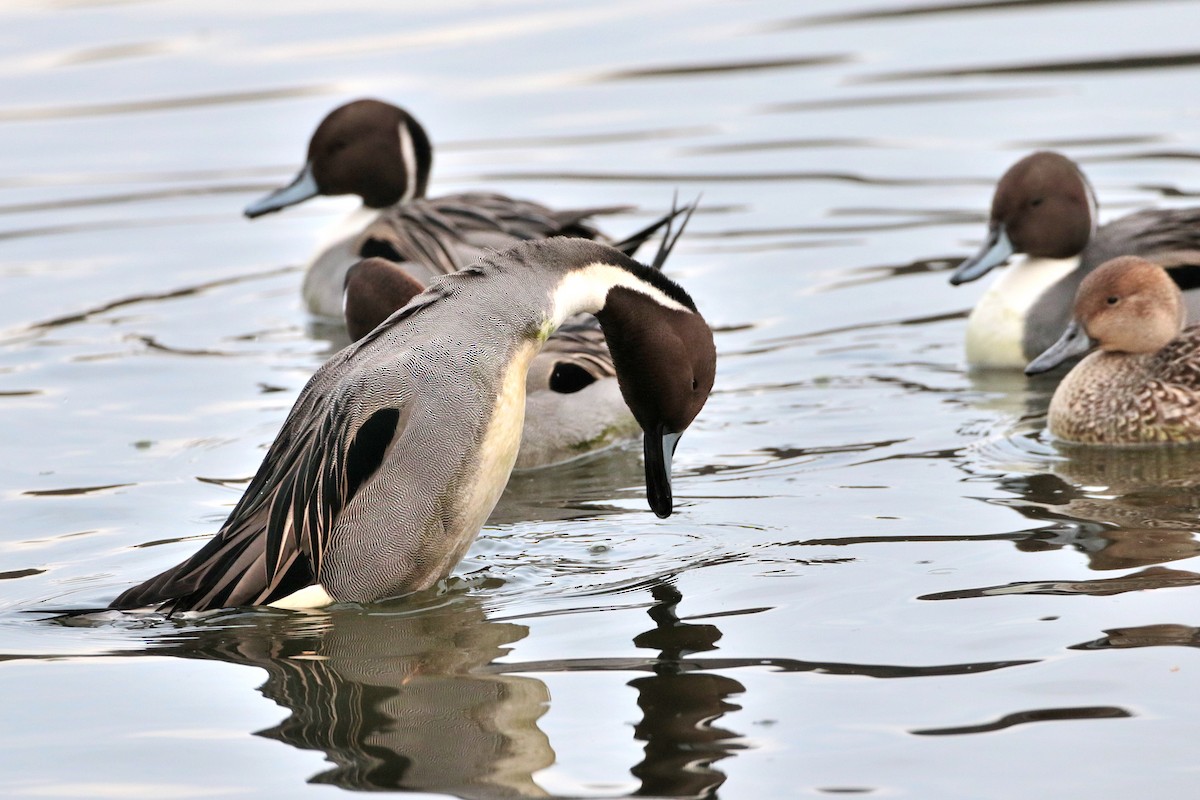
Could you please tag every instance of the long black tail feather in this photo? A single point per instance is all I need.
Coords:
(630, 244)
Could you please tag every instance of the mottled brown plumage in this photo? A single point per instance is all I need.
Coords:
(1124, 398)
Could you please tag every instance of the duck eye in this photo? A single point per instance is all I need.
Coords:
(1113, 300)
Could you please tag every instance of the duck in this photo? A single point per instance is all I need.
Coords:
(381, 153)
(399, 446)
(1139, 383)
(1045, 209)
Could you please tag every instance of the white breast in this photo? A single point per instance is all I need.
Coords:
(497, 454)
(996, 327)
(325, 274)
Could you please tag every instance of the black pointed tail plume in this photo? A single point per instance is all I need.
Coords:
(671, 235)
(633, 241)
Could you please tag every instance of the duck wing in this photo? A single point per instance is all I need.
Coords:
(1168, 237)
(1168, 402)
(1177, 365)
(441, 235)
(272, 543)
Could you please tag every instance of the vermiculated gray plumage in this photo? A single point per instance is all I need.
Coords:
(362, 490)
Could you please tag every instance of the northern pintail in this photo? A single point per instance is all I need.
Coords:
(399, 446)
(1142, 385)
(379, 152)
(1045, 209)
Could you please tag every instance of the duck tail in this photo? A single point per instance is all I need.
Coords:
(630, 244)
(671, 234)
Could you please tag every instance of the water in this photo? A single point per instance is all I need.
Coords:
(882, 579)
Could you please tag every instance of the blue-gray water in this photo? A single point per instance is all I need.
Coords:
(882, 578)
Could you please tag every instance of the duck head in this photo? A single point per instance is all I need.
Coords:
(1043, 207)
(367, 148)
(1127, 305)
(375, 289)
(665, 359)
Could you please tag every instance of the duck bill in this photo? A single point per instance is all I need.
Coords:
(1074, 342)
(660, 449)
(994, 252)
(299, 190)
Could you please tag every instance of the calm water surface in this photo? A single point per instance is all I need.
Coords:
(882, 579)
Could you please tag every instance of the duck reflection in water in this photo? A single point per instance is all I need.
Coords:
(394, 700)
(426, 695)
(679, 707)
(415, 699)
(1121, 507)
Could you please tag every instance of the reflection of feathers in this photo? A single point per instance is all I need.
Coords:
(397, 701)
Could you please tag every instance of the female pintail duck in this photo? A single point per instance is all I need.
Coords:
(399, 446)
(381, 153)
(1045, 209)
(1142, 385)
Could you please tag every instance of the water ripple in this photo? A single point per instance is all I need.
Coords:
(1117, 64)
(1024, 717)
(710, 68)
(933, 9)
(906, 99)
(31, 113)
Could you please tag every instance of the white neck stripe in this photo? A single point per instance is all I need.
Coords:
(408, 156)
(1092, 205)
(586, 290)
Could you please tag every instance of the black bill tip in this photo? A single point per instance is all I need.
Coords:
(659, 449)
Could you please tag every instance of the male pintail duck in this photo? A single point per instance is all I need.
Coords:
(381, 153)
(1045, 209)
(399, 446)
(1142, 385)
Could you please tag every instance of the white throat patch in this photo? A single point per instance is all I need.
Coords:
(586, 290)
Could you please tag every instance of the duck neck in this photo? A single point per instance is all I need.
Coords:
(585, 290)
